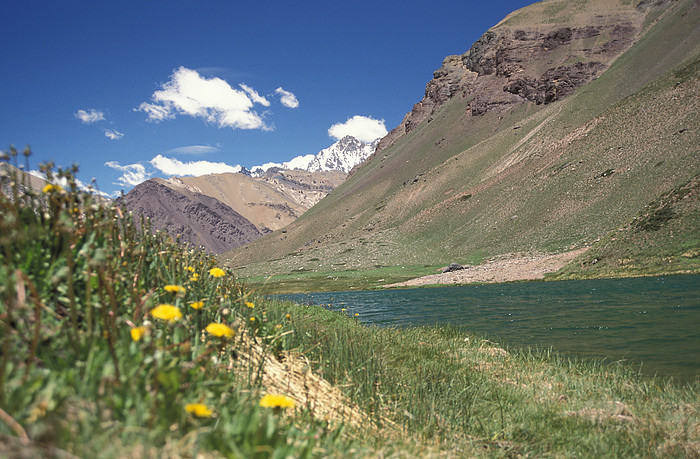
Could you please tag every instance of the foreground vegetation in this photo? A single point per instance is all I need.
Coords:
(119, 343)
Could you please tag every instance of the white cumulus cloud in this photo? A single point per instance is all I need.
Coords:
(132, 174)
(172, 166)
(113, 134)
(212, 99)
(363, 128)
(287, 98)
(89, 116)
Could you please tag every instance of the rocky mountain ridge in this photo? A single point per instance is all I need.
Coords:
(271, 200)
(515, 62)
(193, 217)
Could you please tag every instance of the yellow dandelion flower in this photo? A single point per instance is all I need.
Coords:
(217, 272)
(220, 330)
(137, 333)
(249, 304)
(288, 316)
(197, 304)
(175, 289)
(194, 277)
(356, 314)
(342, 310)
(277, 401)
(166, 312)
(278, 326)
(199, 410)
(190, 268)
(252, 319)
(50, 187)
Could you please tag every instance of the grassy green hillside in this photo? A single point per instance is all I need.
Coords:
(537, 178)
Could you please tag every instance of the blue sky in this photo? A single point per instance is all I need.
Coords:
(138, 89)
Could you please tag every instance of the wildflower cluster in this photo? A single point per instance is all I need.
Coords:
(198, 320)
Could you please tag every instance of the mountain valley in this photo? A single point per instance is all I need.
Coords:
(555, 131)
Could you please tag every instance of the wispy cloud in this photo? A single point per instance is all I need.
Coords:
(93, 116)
(156, 112)
(254, 96)
(287, 98)
(363, 128)
(212, 99)
(113, 134)
(172, 166)
(132, 174)
(193, 150)
(89, 116)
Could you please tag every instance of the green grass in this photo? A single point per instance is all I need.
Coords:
(77, 280)
(340, 279)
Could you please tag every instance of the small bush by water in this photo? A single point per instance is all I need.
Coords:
(115, 342)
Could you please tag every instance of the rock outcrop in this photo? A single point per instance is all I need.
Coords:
(512, 64)
(452, 267)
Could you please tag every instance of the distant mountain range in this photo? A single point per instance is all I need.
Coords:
(222, 211)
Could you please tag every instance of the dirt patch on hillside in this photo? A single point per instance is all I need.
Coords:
(506, 268)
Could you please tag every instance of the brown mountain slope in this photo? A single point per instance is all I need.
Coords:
(271, 201)
(197, 219)
(529, 172)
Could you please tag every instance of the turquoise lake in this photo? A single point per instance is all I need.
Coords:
(653, 323)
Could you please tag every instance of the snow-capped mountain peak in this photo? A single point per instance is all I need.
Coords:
(343, 155)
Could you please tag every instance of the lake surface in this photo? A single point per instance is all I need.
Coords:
(652, 322)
